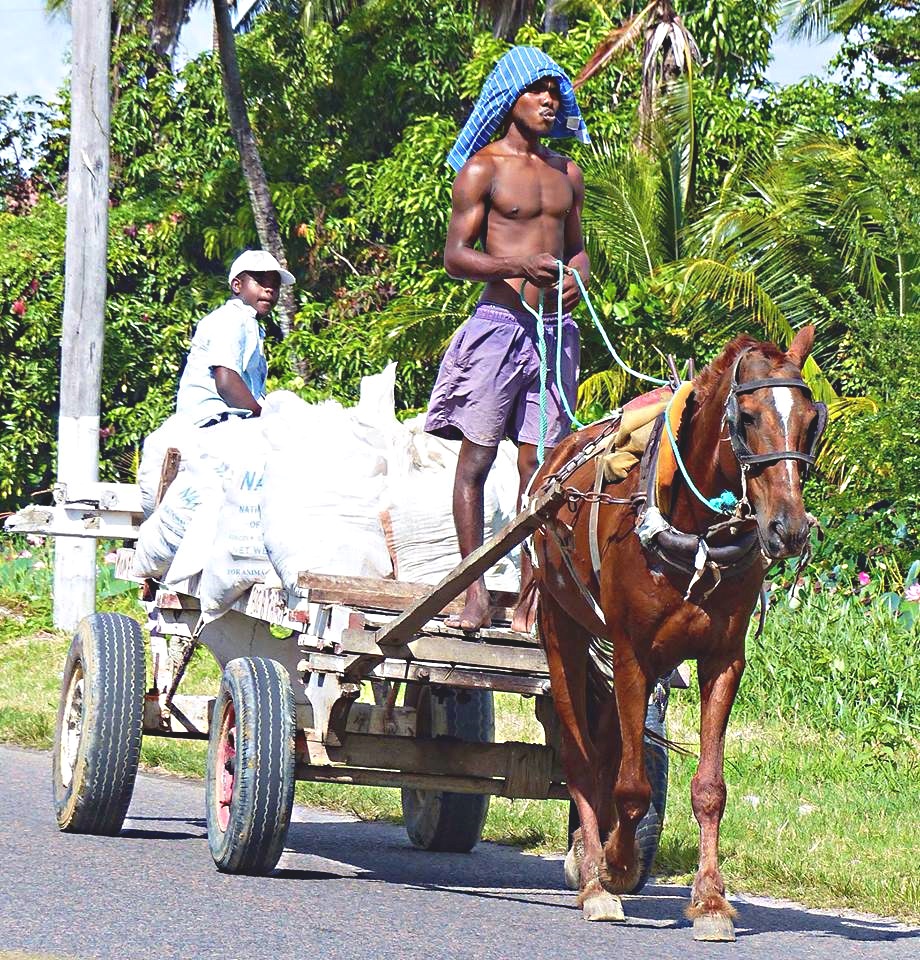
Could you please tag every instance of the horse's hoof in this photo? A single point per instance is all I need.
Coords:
(714, 927)
(572, 870)
(603, 906)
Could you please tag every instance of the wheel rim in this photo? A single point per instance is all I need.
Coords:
(225, 772)
(72, 724)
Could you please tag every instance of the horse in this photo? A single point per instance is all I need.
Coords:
(630, 587)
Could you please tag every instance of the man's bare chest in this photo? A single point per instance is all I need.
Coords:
(525, 194)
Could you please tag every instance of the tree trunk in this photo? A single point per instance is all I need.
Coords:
(83, 326)
(166, 23)
(263, 210)
(553, 21)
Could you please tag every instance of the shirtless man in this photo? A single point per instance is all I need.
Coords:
(521, 203)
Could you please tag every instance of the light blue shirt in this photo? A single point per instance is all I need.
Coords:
(231, 337)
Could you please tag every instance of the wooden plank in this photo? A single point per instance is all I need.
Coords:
(445, 757)
(462, 677)
(513, 533)
(168, 472)
(188, 716)
(449, 651)
(390, 595)
(413, 781)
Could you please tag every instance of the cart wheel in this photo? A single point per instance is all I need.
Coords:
(656, 769)
(97, 738)
(436, 819)
(250, 775)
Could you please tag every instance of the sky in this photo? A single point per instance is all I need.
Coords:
(34, 61)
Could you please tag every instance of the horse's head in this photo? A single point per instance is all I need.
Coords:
(774, 426)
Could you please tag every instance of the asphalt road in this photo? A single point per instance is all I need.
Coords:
(342, 889)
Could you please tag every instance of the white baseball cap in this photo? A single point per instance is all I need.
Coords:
(258, 261)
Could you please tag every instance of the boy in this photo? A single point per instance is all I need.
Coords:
(225, 372)
(521, 203)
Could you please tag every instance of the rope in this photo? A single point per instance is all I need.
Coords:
(603, 333)
(544, 366)
(726, 502)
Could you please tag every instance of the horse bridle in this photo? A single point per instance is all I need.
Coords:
(743, 453)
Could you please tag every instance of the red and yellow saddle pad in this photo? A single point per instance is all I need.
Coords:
(631, 439)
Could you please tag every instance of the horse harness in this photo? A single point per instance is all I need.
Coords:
(687, 552)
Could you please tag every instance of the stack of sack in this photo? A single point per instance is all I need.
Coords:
(310, 488)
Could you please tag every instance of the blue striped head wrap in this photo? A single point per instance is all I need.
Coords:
(510, 77)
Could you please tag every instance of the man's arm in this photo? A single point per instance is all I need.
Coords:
(233, 391)
(575, 256)
(468, 212)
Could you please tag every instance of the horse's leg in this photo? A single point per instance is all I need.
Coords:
(710, 912)
(566, 644)
(631, 791)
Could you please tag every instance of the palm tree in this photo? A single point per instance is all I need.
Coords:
(508, 16)
(263, 209)
(803, 220)
(817, 19)
(668, 52)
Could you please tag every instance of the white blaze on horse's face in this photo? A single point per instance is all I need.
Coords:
(783, 401)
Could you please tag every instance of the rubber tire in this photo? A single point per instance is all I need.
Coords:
(648, 833)
(108, 649)
(435, 819)
(259, 690)
(656, 770)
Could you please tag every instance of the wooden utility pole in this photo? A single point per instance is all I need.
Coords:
(84, 295)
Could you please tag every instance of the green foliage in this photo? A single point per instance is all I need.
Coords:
(731, 221)
(833, 664)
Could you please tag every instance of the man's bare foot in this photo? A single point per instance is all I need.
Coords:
(476, 613)
(525, 612)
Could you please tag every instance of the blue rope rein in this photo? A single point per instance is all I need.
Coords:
(726, 503)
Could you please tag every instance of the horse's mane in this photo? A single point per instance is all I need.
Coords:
(709, 377)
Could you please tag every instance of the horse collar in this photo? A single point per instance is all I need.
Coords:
(687, 552)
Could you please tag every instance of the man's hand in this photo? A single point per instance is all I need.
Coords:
(571, 293)
(540, 269)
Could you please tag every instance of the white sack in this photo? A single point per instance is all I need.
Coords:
(162, 532)
(323, 481)
(237, 558)
(418, 514)
(177, 431)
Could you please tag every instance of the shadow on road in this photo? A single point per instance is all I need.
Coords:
(383, 853)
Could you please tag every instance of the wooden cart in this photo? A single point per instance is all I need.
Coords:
(289, 705)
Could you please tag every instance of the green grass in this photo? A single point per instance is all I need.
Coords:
(821, 761)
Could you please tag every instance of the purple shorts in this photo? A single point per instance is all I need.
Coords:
(488, 387)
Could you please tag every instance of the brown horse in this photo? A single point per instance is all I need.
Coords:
(749, 427)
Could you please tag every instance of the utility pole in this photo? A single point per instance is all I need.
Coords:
(84, 296)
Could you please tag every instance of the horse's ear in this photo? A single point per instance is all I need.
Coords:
(801, 345)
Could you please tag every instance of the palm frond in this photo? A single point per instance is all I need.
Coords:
(617, 42)
(421, 323)
(816, 19)
(833, 459)
(737, 291)
(622, 214)
(604, 389)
